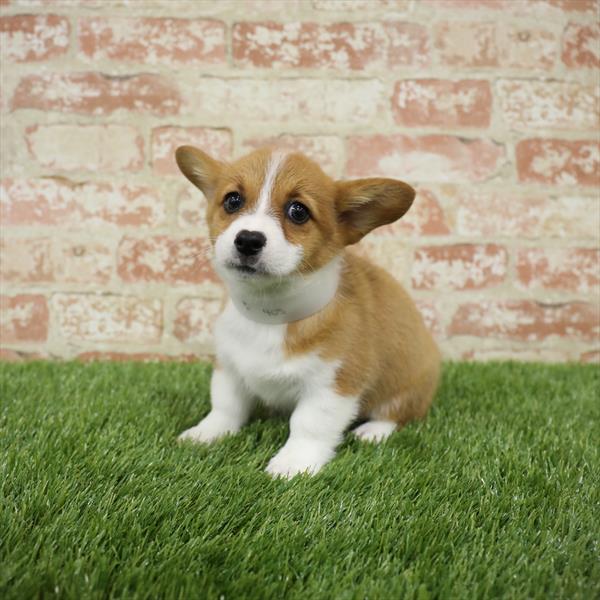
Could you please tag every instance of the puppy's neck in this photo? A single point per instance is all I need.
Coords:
(286, 300)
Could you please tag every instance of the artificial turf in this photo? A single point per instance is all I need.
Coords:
(495, 494)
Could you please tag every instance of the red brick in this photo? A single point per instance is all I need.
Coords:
(164, 259)
(165, 140)
(581, 45)
(442, 103)
(467, 4)
(97, 94)
(86, 147)
(431, 317)
(145, 357)
(191, 210)
(107, 318)
(561, 162)
(485, 214)
(459, 267)
(573, 269)
(542, 8)
(528, 47)
(272, 8)
(64, 260)
(325, 150)
(467, 44)
(83, 261)
(361, 5)
(425, 217)
(153, 40)
(385, 252)
(30, 38)
(591, 356)
(352, 46)
(26, 260)
(487, 44)
(23, 318)
(58, 201)
(549, 104)
(507, 351)
(409, 44)
(194, 318)
(315, 101)
(423, 158)
(344, 46)
(545, 7)
(527, 320)
(9, 355)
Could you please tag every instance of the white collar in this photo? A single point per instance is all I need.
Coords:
(291, 300)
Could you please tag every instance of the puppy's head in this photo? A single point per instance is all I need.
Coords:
(272, 215)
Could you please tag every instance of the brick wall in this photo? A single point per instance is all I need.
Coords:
(489, 107)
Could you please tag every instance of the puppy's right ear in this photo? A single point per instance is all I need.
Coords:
(202, 170)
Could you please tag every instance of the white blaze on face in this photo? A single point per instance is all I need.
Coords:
(278, 257)
(264, 197)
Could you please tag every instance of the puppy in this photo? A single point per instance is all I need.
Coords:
(308, 325)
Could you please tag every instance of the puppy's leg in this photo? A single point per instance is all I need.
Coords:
(375, 430)
(231, 406)
(316, 428)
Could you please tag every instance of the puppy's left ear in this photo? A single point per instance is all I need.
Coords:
(364, 204)
(200, 168)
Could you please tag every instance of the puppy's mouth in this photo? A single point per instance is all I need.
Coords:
(246, 270)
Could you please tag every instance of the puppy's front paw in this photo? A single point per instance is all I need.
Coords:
(375, 431)
(297, 458)
(208, 430)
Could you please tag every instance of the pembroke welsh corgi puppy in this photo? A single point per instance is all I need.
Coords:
(308, 325)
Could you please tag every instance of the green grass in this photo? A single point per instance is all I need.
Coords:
(495, 494)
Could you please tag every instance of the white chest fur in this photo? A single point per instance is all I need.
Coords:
(255, 352)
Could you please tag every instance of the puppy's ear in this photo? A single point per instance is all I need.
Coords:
(364, 204)
(202, 170)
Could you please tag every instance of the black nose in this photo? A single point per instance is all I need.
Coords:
(249, 243)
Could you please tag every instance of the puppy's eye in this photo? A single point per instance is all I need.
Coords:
(298, 213)
(232, 202)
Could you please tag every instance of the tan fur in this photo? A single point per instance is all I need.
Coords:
(388, 358)
(372, 328)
